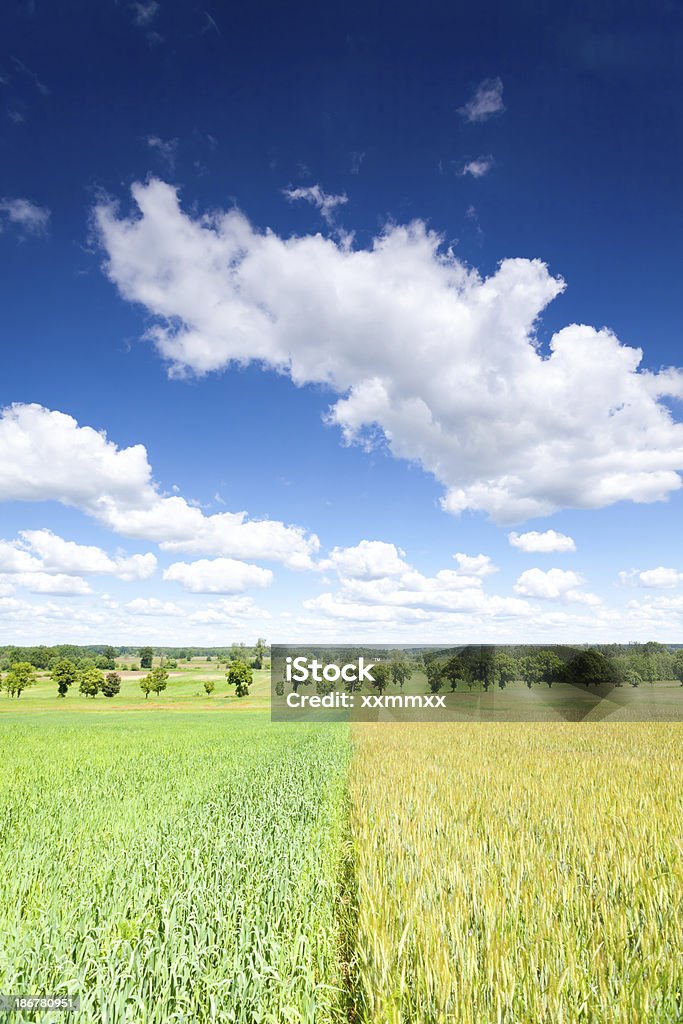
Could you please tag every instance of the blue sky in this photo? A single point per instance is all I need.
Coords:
(324, 266)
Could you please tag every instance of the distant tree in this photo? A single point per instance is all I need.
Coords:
(592, 668)
(209, 686)
(158, 679)
(677, 666)
(171, 663)
(64, 674)
(91, 680)
(435, 675)
(110, 653)
(20, 676)
(381, 673)
(401, 670)
(146, 685)
(454, 672)
(530, 669)
(260, 652)
(241, 677)
(506, 669)
(280, 687)
(111, 684)
(146, 655)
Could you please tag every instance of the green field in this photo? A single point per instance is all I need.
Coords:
(182, 858)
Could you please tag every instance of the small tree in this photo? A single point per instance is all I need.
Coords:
(401, 671)
(64, 674)
(21, 675)
(381, 674)
(240, 676)
(209, 686)
(260, 652)
(435, 676)
(158, 680)
(146, 685)
(91, 682)
(146, 655)
(455, 671)
(111, 684)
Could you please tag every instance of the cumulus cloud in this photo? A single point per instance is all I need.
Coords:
(479, 167)
(422, 351)
(218, 576)
(541, 543)
(475, 565)
(59, 555)
(661, 577)
(153, 606)
(404, 595)
(554, 585)
(371, 559)
(28, 217)
(486, 101)
(46, 456)
(48, 583)
(313, 194)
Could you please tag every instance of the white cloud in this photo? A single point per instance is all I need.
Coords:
(144, 12)
(655, 578)
(166, 148)
(48, 583)
(153, 606)
(371, 559)
(554, 585)
(27, 216)
(14, 558)
(507, 428)
(486, 101)
(46, 456)
(313, 194)
(218, 576)
(479, 167)
(228, 610)
(59, 555)
(475, 565)
(542, 543)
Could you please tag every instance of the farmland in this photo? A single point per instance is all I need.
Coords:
(183, 858)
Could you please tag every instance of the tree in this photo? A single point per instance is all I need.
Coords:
(591, 667)
(531, 669)
(20, 676)
(146, 655)
(146, 685)
(260, 652)
(455, 671)
(111, 685)
(677, 666)
(435, 676)
(158, 679)
(381, 674)
(64, 674)
(400, 670)
(506, 669)
(91, 680)
(209, 686)
(241, 677)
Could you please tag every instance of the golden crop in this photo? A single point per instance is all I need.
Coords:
(518, 873)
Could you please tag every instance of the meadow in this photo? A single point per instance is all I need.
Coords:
(184, 859)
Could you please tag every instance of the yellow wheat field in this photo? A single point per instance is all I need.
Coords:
(518, 873)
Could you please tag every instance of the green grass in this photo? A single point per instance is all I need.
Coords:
(171, 867)
(185, 691)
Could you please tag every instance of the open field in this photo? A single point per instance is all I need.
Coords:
(518, 873)
(170, 862)
(185, 691)
(171, 867)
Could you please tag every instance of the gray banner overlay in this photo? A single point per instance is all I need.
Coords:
(476, 683)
